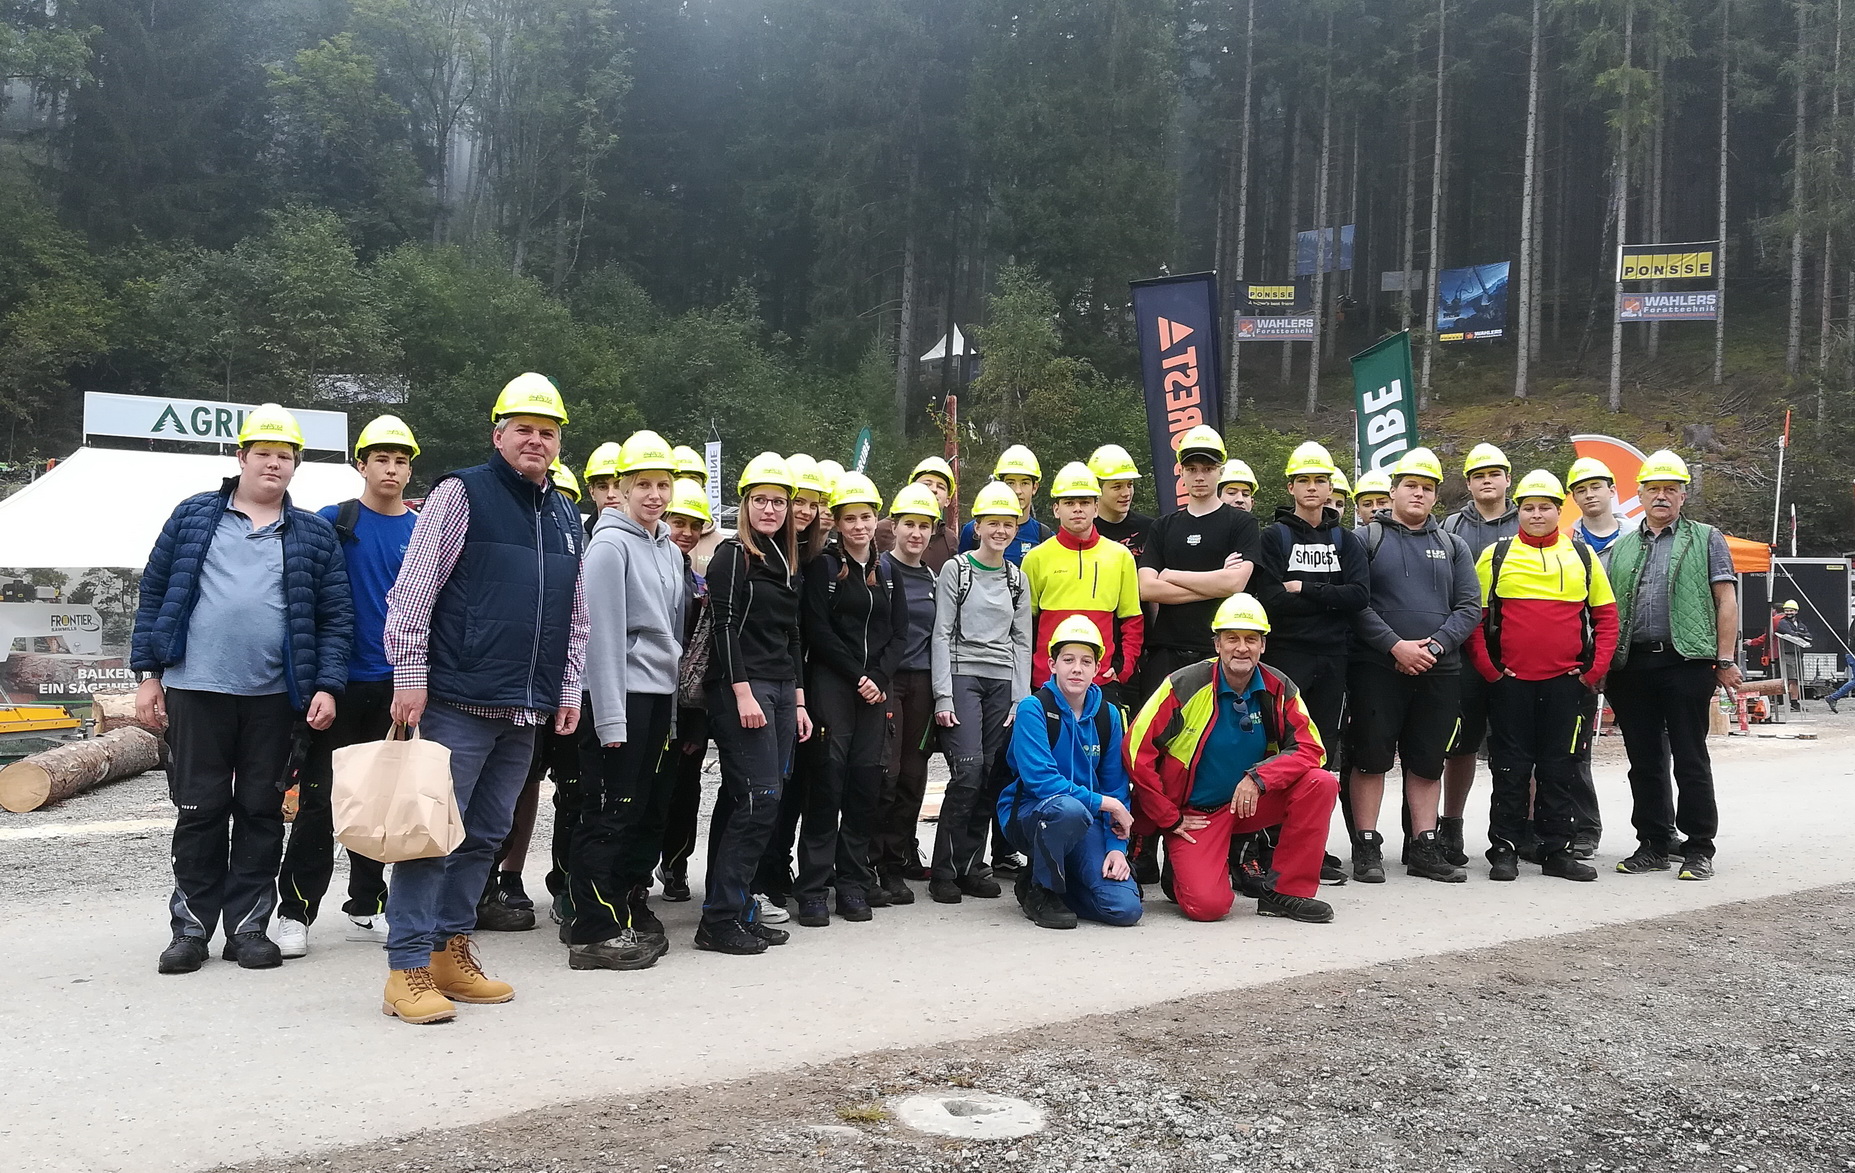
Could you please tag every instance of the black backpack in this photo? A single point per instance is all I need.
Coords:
(1053, 707)
(347, 516)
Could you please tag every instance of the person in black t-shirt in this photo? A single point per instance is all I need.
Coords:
(1116, 520)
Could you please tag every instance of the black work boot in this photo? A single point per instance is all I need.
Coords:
(1503, 862)
(1426, 860)
(896, 885)
(732, 937)
(505, 907)
(1449, 838)
(1046, 909)
(1567, 866)
(183, 954)
(644, 922)
(1368, 857)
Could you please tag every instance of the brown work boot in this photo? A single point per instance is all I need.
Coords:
(411, 995)
(461, 979)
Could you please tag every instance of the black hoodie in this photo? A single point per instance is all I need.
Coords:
(1330, 564)
(850, 626)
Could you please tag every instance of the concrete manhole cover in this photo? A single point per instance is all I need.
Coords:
(969, 1115)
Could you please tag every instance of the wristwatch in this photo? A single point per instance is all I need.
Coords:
(1436, 649)
(1725, 664)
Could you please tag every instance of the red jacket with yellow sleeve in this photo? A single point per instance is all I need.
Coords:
(1086, 576)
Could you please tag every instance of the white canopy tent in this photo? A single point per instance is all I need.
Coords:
(105, 506)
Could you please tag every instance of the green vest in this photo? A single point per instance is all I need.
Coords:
(1692, 614)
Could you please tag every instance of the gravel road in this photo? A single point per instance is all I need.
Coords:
(1718, 1040)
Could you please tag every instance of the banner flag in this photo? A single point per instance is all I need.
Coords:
(714, 460)
(860, 458)
(1180, 365)
(1294, 328)
(1667, 262)
(1384, 402)
(1471, 303)
(1700, 305)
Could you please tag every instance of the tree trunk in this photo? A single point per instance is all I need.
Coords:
(1793, 345)
(1827, 295)
(905, 330)
(1622, 208)
(116, 710)
(1719, 252)
(1320, 227)
(1528, 183)
(1558, 233)
(1436, 208)
(1656, 193)
(1409, 249)
(1234, 383)
(58, 773)
(1293, 161)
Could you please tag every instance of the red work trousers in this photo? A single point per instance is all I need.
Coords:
(1201, 870)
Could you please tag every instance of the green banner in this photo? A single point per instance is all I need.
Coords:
(860, 458)
(1384, 402)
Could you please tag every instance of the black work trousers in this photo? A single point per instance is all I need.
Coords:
(362, 714)
(1322, 681)
(754, 763)
(896, 847)
(1588, 821)
(973, 747)
(684, 765)
(840, 807)
(228, 766)
(563, 760)
(1535, 731)
(1661, 704)
(622, 816)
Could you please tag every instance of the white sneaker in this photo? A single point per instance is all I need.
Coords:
(769, 913)
(290, 936)
(371, 929)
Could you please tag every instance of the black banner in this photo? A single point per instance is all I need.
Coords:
(1180, 365)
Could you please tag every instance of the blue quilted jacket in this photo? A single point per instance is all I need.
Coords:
(318, 608)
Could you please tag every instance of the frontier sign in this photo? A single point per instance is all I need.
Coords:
(204, 421)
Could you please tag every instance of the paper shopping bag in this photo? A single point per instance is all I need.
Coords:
(393, 800)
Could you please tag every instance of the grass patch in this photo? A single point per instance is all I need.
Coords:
(869, 1112)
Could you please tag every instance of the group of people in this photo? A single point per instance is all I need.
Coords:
(1121, 700)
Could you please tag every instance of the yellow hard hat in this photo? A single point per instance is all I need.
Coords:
(1539, 483)
(829, 471)
(691, 500)
(645, 451)
(604, 460)
(1418, 462)
(1790, 605)
(270, 424)
(689, 463)
(1078, 629)
(1240, 613)
(853, 488)
(939, 467)
(1486, 456)
(1373, 482)
(1201, 441)
(996, 500)
(530, 394)
(1074, 480)
(768, 468)
(1018, 461)
(1111, 462)
(1588, 468)
(1663, 465)
(1341, 484)
(806, 477)
(916, 499)
(1235, 472)
(388, 431)
(1310, 459)
(564, 480)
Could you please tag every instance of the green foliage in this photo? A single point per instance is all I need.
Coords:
(55, 311)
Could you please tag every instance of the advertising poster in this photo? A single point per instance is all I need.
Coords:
(1700, 305)
(64, 633)
(1290, 328)
(1180, 365)
(1471, 303)
(1667, 262)
(1334, 257)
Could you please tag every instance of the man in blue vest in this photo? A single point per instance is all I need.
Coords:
(486, 628)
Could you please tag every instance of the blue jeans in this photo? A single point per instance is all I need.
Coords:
(1846, 689)
(429, 901)
(1067, 843)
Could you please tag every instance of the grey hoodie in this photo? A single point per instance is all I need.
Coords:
(994, 636)
(1468, 524)
(1423, 586)
(636, 591)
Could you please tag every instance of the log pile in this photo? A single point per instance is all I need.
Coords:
(58, 773)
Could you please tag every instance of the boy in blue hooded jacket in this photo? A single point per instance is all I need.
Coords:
(1066, 807)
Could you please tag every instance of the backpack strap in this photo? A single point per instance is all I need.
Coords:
(1014, 579)
(1374, 538)
(1493, 628)
(347, 516)
(1587, 658)
(1052, 712)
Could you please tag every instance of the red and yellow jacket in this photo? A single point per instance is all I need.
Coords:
(1543, 604)
(1169, 735)
(1093, 577)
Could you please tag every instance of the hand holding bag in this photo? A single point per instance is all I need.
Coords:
(393, 800)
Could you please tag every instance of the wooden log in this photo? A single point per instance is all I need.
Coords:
(116, 710)
(57, 774)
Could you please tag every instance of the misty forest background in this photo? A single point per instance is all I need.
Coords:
(760, 213)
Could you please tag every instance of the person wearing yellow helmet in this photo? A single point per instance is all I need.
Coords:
(1225, 748)
(1076, 573)
(602, 481)
(1019, 471)
(1547, 634)
(1066, 807)
(937, 475)
(374, 530)
(811, 491)
(1236, 486)
(1784, 643)
(244, 633)
(1422, 603)
(690, 466)
(981, 656)
(756, 699)
(1115, 518)
(565, 481)
(681, 764)
(1342, 491)
(1678, 615)
(1371, 494)
(934, 477)
(1594, 490)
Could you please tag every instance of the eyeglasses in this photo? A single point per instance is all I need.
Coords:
(759, 502)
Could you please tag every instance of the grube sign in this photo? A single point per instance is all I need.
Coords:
(152, 417)
(1383, 402)
(1176, 318)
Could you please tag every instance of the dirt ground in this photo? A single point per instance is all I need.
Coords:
(1718, 1040)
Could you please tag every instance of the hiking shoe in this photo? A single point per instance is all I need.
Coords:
(1831, 702)
(1301, 908)
(768, 910)
(412, 996)
(509, 884)
(876, 897)
(183, 954)
(625, 951)
(1584, 846)
(1047, 910)
(371, 929)
(1247, 874)
(1007, 865)
(290, 936)
(1567, 866)
(944, 892)
(1368, 857)
(496, 915)
(1146, 860)
(252, 950)
(850, 906)
(730, 937)
(675, 884)
(769, 934)
(561, 910)
(460, 977)
(1697, 867)
(1646, 859)
(1332, 871)
(1449, 838)
(813, 914)
(983, 887)
(895, 886)
(1503, 864)
(1426, 860)
(644, 922)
